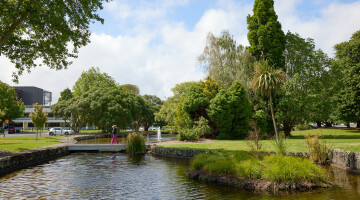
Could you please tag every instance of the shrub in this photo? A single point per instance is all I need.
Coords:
(279, 168)
(200, 129)
(261, 120)
(302, 127)
(254, 137)
(318, 149)
(135, 143)
(275, 168)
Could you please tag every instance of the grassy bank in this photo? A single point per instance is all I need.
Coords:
(16, 144)
(337, 138)
(273, 168)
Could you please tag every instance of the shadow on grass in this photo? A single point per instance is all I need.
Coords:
(329, 137)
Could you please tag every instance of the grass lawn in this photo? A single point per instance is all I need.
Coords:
(336, 138)
(16, 144)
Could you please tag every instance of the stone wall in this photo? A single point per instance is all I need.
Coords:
(31, 157)
(175, 152)
(346, 160)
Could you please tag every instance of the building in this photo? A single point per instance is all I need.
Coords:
(31, 95)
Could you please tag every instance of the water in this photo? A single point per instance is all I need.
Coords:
(118, 176)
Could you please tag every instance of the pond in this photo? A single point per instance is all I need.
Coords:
(118, 176)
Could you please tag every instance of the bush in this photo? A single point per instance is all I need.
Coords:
(318, 149)
(279, 168)
(200, 129)
(302, 127)
(261, 120)
(275, 168)
(187, 135)
(135, 143)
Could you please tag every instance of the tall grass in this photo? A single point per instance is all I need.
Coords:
(275, 168)
(280, 144)
(319, 150)
(135, 143)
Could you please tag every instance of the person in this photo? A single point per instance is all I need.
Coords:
(114, 135)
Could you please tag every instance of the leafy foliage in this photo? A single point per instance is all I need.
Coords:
(267, 40)
(92, 78)
(129, 88)
(224, 61)
(231, 111)
(32, 30)
(38, 117)
(10, 106)
(348, 59)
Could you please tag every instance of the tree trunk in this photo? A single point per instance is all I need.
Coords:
(328, 124)
(318, 123)
(287, 129)
(273, 118)
(358, 124)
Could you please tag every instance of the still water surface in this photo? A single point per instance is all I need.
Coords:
(118, 176)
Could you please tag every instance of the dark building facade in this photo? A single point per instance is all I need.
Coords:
(31, 95)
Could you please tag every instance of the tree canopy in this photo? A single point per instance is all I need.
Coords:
(224, 61)
(348, 59)
(267, 40)
(32, 30)
(92, 78)
(10, 106)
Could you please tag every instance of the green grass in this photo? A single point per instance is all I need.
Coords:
(337, 138)
(275, 168)
(16, 144)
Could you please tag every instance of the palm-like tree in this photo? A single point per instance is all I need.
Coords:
(267, 81)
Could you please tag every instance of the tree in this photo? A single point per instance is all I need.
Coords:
(347, 57)
(66, 94)
(38, 117)
(109, 106)
(224, 61)
(230, 110)
(32, 30)
(92, 78)
(129, 88)
(267, 40)
(155, 106)
(10, 106)
(267, 81)
(308, 95)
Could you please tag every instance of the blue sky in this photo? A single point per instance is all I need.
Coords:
(154, 44)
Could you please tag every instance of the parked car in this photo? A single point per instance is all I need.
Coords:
(11, 129)
(59, 131)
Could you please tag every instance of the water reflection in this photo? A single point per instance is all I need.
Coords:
(119, 176)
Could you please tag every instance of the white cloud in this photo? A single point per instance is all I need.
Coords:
(335, 23)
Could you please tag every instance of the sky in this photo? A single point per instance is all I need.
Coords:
(154, 44)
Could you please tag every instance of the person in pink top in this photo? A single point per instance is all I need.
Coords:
(114, 135)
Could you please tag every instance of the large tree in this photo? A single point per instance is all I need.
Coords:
(267, 40)
(224, 61)
(92, 78)
(308, 95)
(10, 106)
(348, 59)
(31, 30)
